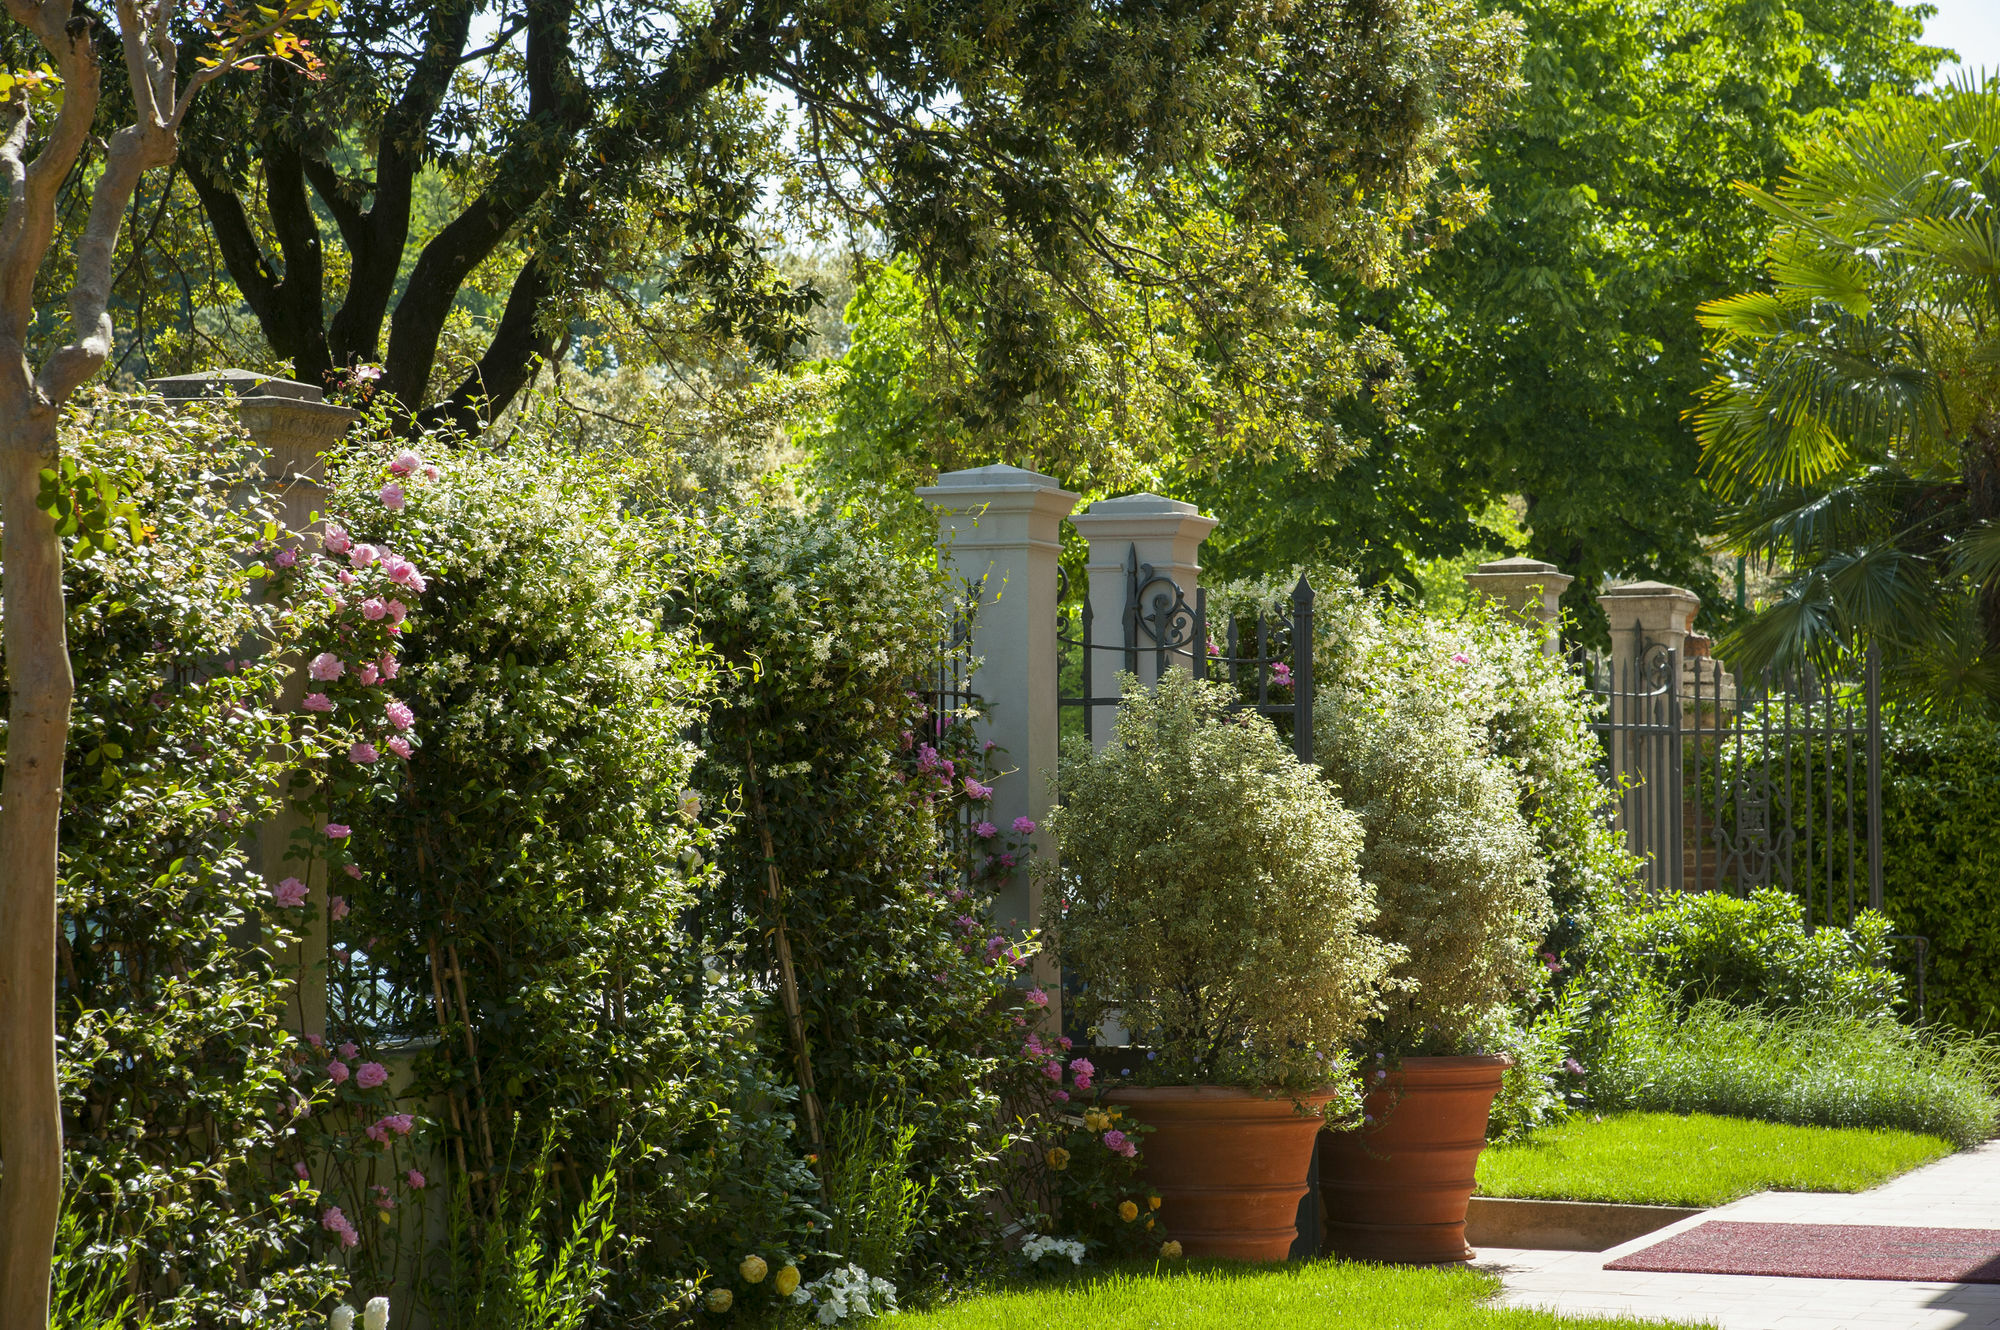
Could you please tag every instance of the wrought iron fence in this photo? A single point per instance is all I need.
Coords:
(1265, 653)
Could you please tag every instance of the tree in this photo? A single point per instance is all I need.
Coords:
(1853, 424)
(1551, 346)
(1091, 194)
(47, 119)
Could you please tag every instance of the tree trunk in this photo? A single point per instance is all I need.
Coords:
(39, 687)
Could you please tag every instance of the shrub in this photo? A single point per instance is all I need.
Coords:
(1813, 1068)
(1448, 853)
(180, 1089)
(1208, 893)
(1757, 952)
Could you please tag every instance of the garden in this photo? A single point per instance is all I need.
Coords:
(658, 758)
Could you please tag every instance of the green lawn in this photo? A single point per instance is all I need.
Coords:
(1667, 1159)
(1335, 1295)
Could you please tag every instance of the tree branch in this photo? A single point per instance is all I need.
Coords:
(518, 348)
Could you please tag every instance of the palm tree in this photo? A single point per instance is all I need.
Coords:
(1852, 430)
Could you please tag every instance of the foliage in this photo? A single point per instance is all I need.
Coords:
(1813, 1068)
(1550, 354)
(1697, 1159)
(1111, 197)
(525, 892)
(1759, 952)
(1941, 860)
(180, 1093)
(873, 1202)
(824, 637)
(1853, 424)
(1208, 895)
(1449, 853)
(499, 1268)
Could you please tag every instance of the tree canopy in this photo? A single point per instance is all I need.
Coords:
(1100, 201)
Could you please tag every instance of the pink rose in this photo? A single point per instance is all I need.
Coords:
(398, 612)
(337, 1072)
(406, 462)
(336, 908)
(316, 702)
(1114, 1139)
(333, 1221)
(1024, 826)
(391, 496)
(336, 540)
(370, 1074)
(349, 1050)
(326, 667)
(362, 555)
(353, 871)
(335, 831)
(1037, 998)
(367, 675)
(373, 608)
(346, 579)
(362, 753)
(389, 665)
(977, 792)
(1053, 1071)
(383, 1200)
(1060, 1094)
(415, 1179)
(403, 573)
(289, 894)
(399, 715)
(400, 746)
(286, 557)
(302, 1171)
(1082, 1067)
(431, 471)
(317, 1041)
(400, 1123)
(986, 831)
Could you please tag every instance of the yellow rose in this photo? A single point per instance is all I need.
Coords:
(720, 1299)
(787, 1281)
(1152, 1202)
(1096, 1121)
(753, 1269)
(1058, 1159)
(1170, 1250)
(1149, 1223)
(1127, 1211)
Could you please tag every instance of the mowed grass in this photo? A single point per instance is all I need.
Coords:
(1308, 1295)
(1699, 1159)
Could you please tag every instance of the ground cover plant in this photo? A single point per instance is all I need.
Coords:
(1815, 1068)
(1696, 1159)
(1303, 1295)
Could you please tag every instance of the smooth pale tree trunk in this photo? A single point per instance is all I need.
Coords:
(38, 674)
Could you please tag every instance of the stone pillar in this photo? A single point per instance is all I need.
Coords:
(293, 425)
(1650, 623)
(1128, 536)
(1528, 587)
(1000, 527)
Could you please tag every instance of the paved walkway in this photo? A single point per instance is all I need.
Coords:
(1960, 1192)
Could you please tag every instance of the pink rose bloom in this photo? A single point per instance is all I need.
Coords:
(1024, 826)
(400, 746)
(415, 1179)
(370, 1074)
(302, 1171)
(286, 557)
(1460, 658)
(317, 1041)
(373, 608)
(398, 612)
(406, 462)
(349, 1050)
(367, 675)
(375, 1132)
(1281, 674)
(362, 555)
(391, 496)
(289, 894)
(340, 954)
(333, 1221)
(974, 790)
(986, 831)
(337, 1072)
(1082, 1067)
(403, 573)
(1037, 998)
(1053, 1071)
(383, 1200)
(1114, 1139)
(1063, 1095)
(336, 540)
(326, 666)
(431, 471)
(336, 908)
(399, 715)
(353, 871)
(335, 831)
(400, 1123)
(1064, 1041)
(363, 753)
(317, 702)
(1083, 1082)
(346, 578)
(389, 665)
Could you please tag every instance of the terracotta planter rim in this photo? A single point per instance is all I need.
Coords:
(1196, 1093)
(1454, 1062)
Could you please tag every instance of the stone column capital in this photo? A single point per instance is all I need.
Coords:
(1528, 587)
(1662, 613)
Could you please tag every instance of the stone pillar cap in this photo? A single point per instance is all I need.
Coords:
(1516, 564)
(1648, 589)
(239, 382)
(1141, 505)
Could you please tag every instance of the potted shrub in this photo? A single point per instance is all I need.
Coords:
(1208, 895)
(1463, 898)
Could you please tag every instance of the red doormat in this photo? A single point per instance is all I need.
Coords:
(1826, 1251)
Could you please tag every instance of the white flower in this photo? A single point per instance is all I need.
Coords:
(341, 1319)
(376, 1315)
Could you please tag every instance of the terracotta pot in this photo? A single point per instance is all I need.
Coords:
(1396, 1190)
(1229, 1166)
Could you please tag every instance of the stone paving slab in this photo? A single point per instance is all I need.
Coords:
(1960, 1192)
